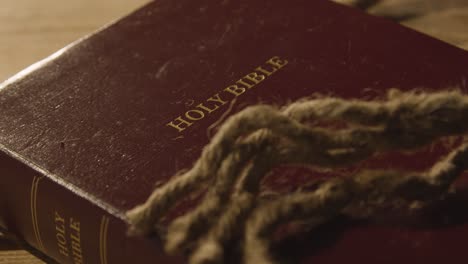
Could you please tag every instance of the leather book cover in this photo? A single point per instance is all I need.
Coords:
(89, 132)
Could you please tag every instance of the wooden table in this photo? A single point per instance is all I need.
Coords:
(33, 29)
(11, 254)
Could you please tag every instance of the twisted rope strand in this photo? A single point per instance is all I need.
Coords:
(324, 202)
(407, 116)
(191, 225)
(252, 141)
(303, 154)
(143, 217)
(373, 188)
(211, 247)
(373, 113)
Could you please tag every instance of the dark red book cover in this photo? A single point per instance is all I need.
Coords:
(86, 134)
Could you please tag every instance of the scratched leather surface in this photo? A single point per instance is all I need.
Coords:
(95, 116)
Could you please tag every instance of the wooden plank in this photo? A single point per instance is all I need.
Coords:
(18, 257)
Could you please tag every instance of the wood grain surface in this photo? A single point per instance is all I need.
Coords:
(11, 253)
(33, 29)
(17, 257)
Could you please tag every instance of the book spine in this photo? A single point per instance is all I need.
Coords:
(66, 227)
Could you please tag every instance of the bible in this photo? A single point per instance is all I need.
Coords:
(89, 132)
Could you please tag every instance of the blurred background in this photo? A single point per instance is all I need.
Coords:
(33, 29)
(443, 19)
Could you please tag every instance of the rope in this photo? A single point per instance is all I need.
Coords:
(253, 141)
